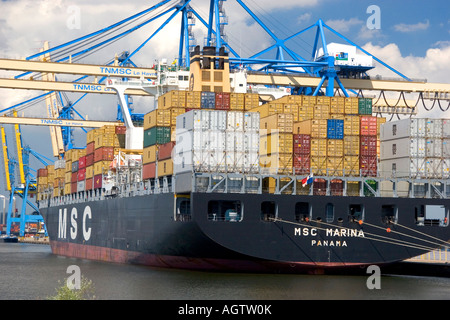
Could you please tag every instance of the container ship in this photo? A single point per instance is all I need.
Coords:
(222, 181)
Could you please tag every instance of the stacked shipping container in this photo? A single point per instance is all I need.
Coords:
(417, 148)
(217, 141)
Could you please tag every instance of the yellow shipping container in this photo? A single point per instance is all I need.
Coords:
(337, 101)
(277, 123)
(305, 113)
(67, 189)
(42, 181)
(77, 153)
(335, 166)
(319, 165)
(101, 167)
(89, 172)
(337, 109)
(315, 128)
(68, 176)
(351, 145)
(380, 121)
(68, 165)
(57, 192)
(251, 101)
(276, 143)
(324, 100)
(165, 168)
(351, 106)
(149, 154)
(309, 100)
(321, 111)
(50, 169)
(335, 148)
(276, 163)
(351, 125)
(351, 165)
(60, 173)
(174, 98)
(106, 140)
(193, 99)
(58, 182)
(319, 147)
(237, 101)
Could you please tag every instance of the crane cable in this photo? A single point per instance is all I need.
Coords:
(389, 240)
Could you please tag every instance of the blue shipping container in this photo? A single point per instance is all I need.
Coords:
(208, 100)
(335, 129)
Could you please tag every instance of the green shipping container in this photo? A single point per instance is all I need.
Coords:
(365, 106)
(156, 135)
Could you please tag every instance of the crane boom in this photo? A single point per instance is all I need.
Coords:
(76, 69)
(5, 158)
(19, 147)
(56, 122)
(52, 107)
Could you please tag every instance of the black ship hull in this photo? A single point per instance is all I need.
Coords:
(267, 233)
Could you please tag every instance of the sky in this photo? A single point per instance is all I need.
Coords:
(411, 36)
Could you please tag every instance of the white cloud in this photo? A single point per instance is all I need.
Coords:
(420, 26)
(343, 25)
(433, 67)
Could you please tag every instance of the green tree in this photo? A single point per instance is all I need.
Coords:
(86, 291)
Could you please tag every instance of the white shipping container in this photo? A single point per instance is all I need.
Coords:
(218, 120)
(434, 128)
(446, 168)
(251, 162)
(445, 128)
(251, 121)
(446, 148)
(401, 148)
(60, 164)
(403, 168)
(434, 148)
(403, 129)
(235, 121)
(433, 168)
(251, 141)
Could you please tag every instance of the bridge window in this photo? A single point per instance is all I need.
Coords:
(389, 214)
(329, 212)
(356, 212)
(302, 211)
(269, 210)
(229, 211)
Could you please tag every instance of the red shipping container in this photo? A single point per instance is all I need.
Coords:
(89, 184)
(98, 181)
(368, 165)
(104, 154)
(82, 162)
(81, 174)
(121, 130)
(165, 150)
(89, 159)
(42, 173)
(368, 146)
(222, 101)
(302, 164)
(336, 187)
(302, 144)
(368, 126)
(73, 187)
(90, 147)
(320, 187)
(74, 177)
(149, 171)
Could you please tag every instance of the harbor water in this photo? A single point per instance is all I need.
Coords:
(32, 272)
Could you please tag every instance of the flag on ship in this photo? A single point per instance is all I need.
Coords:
(307, 180)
